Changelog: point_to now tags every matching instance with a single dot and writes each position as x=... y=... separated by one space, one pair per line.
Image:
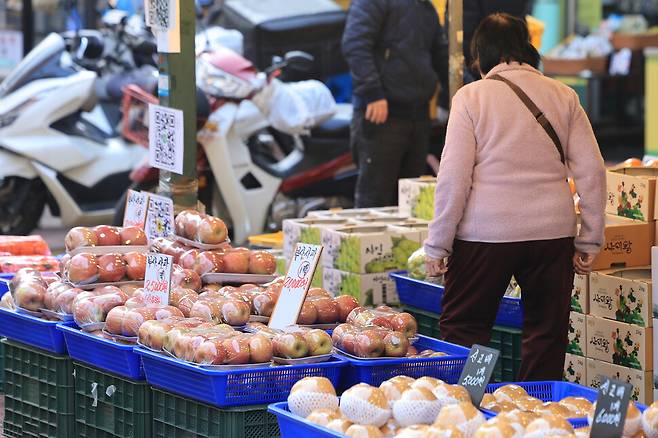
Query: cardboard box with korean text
x=580 y=294
x=627 y=244
x=642 y=380
x=416 y=197
x=631 y=192
x=575 y=370
x=368 y=289
x=577 y=334
x=619 y=343
x=307 y=231
x=624 y=295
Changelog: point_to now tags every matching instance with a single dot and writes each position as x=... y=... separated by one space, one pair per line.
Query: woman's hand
x=582 y=262
x=435 y=267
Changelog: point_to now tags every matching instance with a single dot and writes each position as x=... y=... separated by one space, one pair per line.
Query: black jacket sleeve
x=362 y=29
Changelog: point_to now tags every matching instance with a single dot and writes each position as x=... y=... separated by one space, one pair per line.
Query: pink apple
x=211 y=230
x=133 y=236
x=262 y=262
x=82 y=268
x=135 y=265
x=107 y=236
x=188 y=258
x=111 y=268
x=78 y=237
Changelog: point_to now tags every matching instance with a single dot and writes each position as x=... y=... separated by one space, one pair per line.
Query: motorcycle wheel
x=21 y=205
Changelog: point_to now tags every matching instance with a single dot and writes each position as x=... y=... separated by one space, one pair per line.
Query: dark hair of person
x=502 y=38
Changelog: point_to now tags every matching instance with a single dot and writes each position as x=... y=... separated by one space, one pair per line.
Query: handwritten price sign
x=159 y=217
x=157 y=280
x=611 y=408
x=295 y=286
x=136 y=208
x=477 y=371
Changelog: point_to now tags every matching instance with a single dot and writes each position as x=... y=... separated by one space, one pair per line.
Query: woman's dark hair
x=502 y=38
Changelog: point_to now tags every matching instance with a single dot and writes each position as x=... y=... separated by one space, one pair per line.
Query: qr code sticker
x=166 y=138
x=160 y=14
x=160 y=217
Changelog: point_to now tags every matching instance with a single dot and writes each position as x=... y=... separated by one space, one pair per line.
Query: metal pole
x=180 y=69
x=456 y=45
x=27 y=23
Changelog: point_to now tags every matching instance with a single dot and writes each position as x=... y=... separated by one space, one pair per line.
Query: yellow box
x=575 y=369
x=368 y=289
x=577 y=334
x=624 y=295
x=632 y=192
x=620 y=343
x=580 y=294
x=416 y=197
x=627 y=244
x=642 y=381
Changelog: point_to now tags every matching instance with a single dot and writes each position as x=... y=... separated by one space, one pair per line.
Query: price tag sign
x=295 y=286
x=159 y=217
x=136 y=206
x=611 y=406
x=477 y=372
x=157 y=279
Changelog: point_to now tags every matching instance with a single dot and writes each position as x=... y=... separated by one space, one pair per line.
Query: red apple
x=64 y=301
x=328 y=311
x=262 y=262
x=52 y=292
x=290 y=346
x=178 y=293
x=171 y=338
x=411 y=351
x=214 y=287
x=250 y=288
x=135 y=302
x=263 y=304
x=185 y=278
x=133 y=236
x=109 y=301
x=30 y=295
x=210 y=352
x=168 y=313
x=82 y=268
x=111 y=268
x=135 y=265
x=308 y=315
x=107 y=236
x=152 y=333
x=129 y=289
x=235 y=313
x=237 y=351
x=275 y=289
x=188 y=258
x=260 y=349
x=207 y=310
x=187 y=222
x=186 y=303
x=86 y=311
x=405 y=323
x=396 y=344
x=235 y=262
x=369 y=343
x=115 y=320
x=319 y=342
x=227 y=290
x=207 y=262
x=317 y=292
x=212 y=231
x=346 y=303
x=78 y=237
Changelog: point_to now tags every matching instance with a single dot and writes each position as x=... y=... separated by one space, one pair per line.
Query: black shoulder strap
x=536 y=112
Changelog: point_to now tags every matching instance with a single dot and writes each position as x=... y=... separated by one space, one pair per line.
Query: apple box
x=577 y=334
x=370 y=249
x=620 y=343
x=306 y=231
x=627 y=244
x=368 y=289
x=623 y=295
x=580 y=294
x=575 y=370
x=416 y=197
x=631 y=192
x=642 y=380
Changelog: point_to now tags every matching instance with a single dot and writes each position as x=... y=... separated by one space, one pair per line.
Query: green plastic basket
x=110 y=406
x=2 y=367
x=179 y=417
x=428 y=322
x=38 y=393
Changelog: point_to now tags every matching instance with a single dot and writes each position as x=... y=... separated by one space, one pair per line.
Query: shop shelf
x=240 y=387
x=39 y=391
x=175 y=416
x=108 y=406
x=103 y=353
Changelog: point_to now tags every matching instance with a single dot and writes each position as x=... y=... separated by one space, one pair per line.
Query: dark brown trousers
x=477 y=277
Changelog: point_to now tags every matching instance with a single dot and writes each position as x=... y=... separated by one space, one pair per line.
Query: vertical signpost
x=456 y=45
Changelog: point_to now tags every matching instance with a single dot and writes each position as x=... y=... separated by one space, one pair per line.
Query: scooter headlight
x=218 y=83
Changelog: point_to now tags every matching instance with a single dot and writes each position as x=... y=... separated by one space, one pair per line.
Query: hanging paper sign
x=157 y=279
x=166 y=148
x=159 y=217
x=163 y=17
x=136 y=207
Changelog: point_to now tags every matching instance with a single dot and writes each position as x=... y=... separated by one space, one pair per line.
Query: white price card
x=136 y=206
x=157 y=279
x=166 y=138
x=305 y=259
x=159 y=217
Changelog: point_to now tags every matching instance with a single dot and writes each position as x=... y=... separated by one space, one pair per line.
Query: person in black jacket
x=396 y=50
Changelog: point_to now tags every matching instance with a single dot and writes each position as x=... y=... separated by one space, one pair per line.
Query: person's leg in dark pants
x=414 y=160
x=546 y=280
x=477 y=278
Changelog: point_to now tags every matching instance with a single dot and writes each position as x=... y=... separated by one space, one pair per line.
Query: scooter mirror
x=299 y=60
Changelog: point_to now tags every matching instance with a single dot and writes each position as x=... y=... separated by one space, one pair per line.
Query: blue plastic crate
x=31 y=330
x=105 y=354
x=427 y=296
x=250 y=386
x=375 y=371
x=556 y=391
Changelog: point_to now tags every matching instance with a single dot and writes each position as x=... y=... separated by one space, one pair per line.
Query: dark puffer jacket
x=396 y=49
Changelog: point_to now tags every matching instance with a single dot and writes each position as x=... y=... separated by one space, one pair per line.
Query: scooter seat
x=337 y=127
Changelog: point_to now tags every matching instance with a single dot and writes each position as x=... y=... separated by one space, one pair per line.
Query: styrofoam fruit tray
x=92 y=286
x=219 y=277
x=92 y=327
x=110 y=249
x=61 y=316
x=29 y=312
x=259 y=318
x=344 y=353
x=125 y=339
x=330 y=326
x=199 y=245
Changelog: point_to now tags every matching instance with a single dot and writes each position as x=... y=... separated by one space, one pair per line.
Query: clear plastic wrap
x=93 y=309
x=125 y=321
x=104 y=235
x=220 y=309
x=28 y=289
x=7 y=301
x=87 y=268
x=370 y=342
x=386 y=317
x=201 y=228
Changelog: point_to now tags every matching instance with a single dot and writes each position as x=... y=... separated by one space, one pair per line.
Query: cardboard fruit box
x=631 y=192
x=370 y=249
x=575 y=369
x=577 y=334
x=642 y=381
x=416 y=197
x=580 y=294
x=307 y=231
x=368 y=289
x=619 y=343
x=627 y=244
x=624 y=295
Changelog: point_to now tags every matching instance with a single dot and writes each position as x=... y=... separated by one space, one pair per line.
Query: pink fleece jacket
x=501 y=178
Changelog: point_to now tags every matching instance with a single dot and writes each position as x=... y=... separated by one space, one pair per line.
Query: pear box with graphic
x=619 y=343
x=364 y=249
x=575 y=369
x=388 y=220
x=627 y=244
x=368 y=289
x=623 y=295
x=577 y=334
x=632 y=192
x=580 y=294
x=641 y=380
x=307 y=231
x=416 y=197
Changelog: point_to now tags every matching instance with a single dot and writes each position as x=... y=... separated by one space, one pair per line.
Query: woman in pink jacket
x=503 y=204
